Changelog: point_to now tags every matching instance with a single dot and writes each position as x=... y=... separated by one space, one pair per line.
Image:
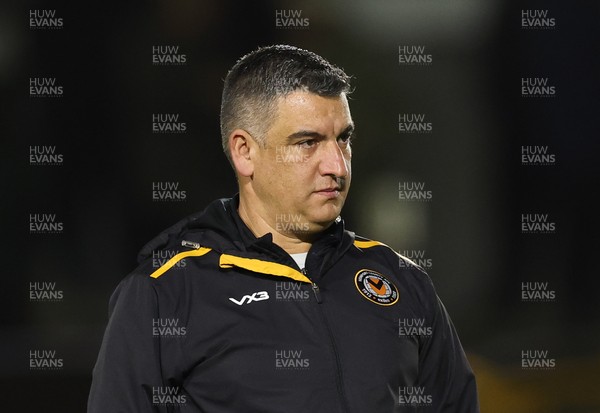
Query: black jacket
x=216 y=320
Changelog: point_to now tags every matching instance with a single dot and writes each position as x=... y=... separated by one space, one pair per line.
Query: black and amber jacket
x=215 y=320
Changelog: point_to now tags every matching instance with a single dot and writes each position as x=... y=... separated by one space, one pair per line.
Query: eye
x=308 y=143
x=345 y=139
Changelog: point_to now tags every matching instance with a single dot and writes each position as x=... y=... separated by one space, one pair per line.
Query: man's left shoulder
x=402 y=266
x=372 y=247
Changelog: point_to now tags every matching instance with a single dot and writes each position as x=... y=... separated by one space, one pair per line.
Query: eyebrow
x=312 y=134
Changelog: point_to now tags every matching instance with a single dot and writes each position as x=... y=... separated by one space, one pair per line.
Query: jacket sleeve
x=128 y=371
x=444 y=372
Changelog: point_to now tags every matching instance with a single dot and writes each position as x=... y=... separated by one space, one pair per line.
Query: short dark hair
x=254 y=83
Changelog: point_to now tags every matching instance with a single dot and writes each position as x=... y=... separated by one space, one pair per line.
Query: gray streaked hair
x=254 y=83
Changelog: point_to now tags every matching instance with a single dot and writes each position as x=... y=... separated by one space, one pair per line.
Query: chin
x=323 y=222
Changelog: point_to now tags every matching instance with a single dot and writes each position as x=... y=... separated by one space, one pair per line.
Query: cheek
x=278 y=180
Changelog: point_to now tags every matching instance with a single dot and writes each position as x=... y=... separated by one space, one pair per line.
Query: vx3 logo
x=247 y=299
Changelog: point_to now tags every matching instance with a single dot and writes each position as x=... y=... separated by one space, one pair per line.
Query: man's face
x=303 y=175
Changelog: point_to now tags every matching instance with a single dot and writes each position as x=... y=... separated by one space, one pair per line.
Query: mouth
x=330 y=192
x=333 y=190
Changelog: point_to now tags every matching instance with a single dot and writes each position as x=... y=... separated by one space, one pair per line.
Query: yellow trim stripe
x=263 y=267
x=176 y=258
x=368 y=244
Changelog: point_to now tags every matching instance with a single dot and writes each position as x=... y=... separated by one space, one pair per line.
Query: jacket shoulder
x=365 y=244
x=411 y=277
x=174 y=255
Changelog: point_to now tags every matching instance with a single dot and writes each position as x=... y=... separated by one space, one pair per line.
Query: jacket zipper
x=338 y=364
x=190 y=244
x=317 y=293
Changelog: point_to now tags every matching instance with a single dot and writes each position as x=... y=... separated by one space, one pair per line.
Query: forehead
x=309 y=111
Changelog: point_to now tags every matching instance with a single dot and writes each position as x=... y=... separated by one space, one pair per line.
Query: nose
x=333 y=162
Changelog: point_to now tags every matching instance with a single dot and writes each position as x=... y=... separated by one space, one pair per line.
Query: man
x=267 y=303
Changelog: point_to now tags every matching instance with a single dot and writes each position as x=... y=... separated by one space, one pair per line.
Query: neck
x=259 y=226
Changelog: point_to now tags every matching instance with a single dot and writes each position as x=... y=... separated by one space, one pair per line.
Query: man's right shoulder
x=165 y=262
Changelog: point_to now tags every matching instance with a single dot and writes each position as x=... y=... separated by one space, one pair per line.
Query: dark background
x=471 y=163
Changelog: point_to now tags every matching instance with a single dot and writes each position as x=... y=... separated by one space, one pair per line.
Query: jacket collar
x=325 y=251
x=221 y=228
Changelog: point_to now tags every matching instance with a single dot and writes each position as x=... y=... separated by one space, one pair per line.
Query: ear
x=241 y=147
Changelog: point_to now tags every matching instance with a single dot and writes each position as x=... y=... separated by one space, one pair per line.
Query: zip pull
x=190 y=244
x=317 y=292
x=314 y=286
